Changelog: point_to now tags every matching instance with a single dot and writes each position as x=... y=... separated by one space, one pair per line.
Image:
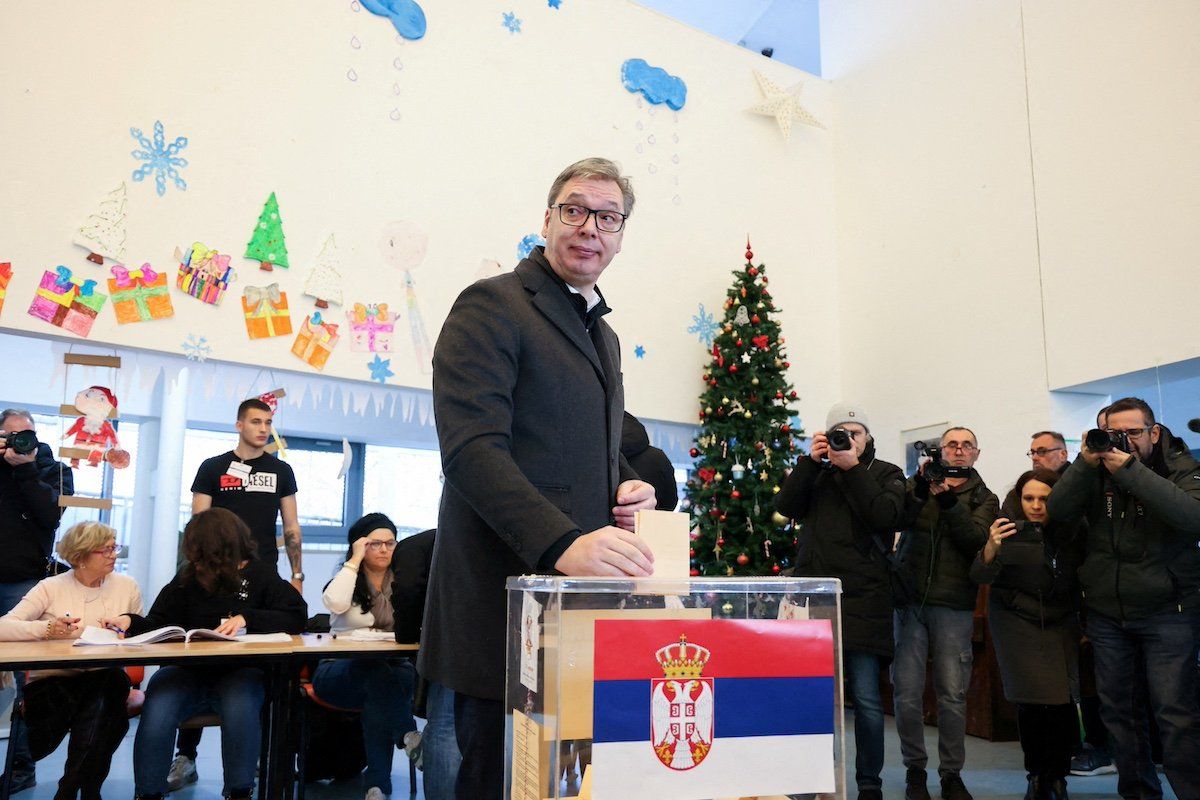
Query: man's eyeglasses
x=1042 y=452
x=966 y=447
x=376 y=545
x=111 y=550
x=576 y=216
x=1132 y=433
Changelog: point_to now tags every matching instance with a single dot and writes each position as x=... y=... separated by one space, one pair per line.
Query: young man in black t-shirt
x=259 y=488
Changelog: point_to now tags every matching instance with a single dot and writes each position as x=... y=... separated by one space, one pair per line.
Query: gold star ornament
x=782 y=104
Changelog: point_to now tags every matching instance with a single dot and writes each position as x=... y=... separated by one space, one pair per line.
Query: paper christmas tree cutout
x=325 y=280
x=103 y=233
x=267 y=244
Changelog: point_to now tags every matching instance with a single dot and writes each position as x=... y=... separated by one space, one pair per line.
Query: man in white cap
x=848 y=504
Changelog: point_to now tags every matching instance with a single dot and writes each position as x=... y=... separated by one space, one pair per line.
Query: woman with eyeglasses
x=223 y=586
x=360 y=596
x=88 y=704
x=1030 y=564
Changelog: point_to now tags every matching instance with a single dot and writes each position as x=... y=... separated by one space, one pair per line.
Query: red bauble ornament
x=701 y=415
x=714 y=513
x=705 y=377
x=755 y=319
x=794 y=395
x=775 y=569
x=693 y=452
x=787 y=364
x=779 y=394
x=722 y=518
x=721 y=541
x=743 y=559
x=735 y=494
x=694 y=572
x=759 y=445
x=692 y=552
x=753 y=271
x=739 y=342
x=733 y=367
x=784 y=428
x=749 y=254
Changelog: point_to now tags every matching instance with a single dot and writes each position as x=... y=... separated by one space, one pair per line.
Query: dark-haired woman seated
x=1032 y=615
x=223 y=587
x=360 y=596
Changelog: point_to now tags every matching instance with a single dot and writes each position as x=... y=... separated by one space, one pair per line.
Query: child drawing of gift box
x=5 y=277
x=266 y=311
x=204 y=274
x=66 y=302
x=315 y=341
x=140 y=295
x=371 y=328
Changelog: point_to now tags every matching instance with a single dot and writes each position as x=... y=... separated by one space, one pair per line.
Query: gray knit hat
x=846 y=412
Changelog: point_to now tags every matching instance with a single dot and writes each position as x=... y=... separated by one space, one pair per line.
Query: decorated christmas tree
x=325 y=279
x=103 y=233
x=267 y=244
x=746 y=441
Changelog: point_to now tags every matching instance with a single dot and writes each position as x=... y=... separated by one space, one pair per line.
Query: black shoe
x=1034 y=792
x=1055 y=789
x=953 y=788
x=22 y=781
x=1092 y=761
x=915 y=785
x=870 y=794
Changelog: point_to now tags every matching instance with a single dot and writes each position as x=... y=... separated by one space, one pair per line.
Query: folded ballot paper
x=368 y=635
x=102 y=637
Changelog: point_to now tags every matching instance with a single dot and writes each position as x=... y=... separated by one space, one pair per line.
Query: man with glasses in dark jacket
x=848 y=504
x=1141 y=583
x=946 y=523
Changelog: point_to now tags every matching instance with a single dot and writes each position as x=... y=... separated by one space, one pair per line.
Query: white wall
x=487 y=118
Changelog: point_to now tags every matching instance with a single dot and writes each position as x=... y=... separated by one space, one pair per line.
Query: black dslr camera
x=20 y=442
x=935 y=470
x=1099 y=440
x=1026 y=547
x=839 y=439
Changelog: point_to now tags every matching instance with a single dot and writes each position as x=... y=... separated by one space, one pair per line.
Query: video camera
x=935 y=470
x=20 y=442
x=1099 y=440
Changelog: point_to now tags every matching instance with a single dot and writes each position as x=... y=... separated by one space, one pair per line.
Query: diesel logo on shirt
x=260 y=482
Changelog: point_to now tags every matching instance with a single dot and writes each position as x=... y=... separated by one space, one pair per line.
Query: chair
x=309 y=695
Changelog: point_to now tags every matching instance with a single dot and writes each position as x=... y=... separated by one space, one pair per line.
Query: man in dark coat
x=30 y=485
x=650 y=463
x=1141 y=583
x=848 y=504
x=528 y=402
x=946 y=522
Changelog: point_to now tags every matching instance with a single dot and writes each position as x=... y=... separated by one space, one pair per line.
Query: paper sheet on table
x=368 y=635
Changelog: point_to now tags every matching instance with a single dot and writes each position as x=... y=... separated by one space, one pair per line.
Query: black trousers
x=1049 y=736
x=479 y=728
x=90 y=707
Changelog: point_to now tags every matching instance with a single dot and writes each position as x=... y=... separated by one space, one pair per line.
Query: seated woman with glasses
x=1032 y=608
x=360 y=596
x=89 y=704
x=224 y=587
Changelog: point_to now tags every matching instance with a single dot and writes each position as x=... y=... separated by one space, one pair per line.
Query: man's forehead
x=17 y=423
x=1133 y=418
x=957 y=436
x=1045 y=438
x=596 y=191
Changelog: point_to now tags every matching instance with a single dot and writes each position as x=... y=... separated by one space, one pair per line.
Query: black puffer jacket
x=29 y=514
x=847 y=520
x=942 y=535
x=1143 y=527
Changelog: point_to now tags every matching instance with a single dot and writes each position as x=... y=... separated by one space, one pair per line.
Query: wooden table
x=282 y=660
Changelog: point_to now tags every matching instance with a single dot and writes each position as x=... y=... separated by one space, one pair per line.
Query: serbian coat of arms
x=681 y=706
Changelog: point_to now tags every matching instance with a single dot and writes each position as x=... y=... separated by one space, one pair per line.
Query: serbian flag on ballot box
x=695 y=709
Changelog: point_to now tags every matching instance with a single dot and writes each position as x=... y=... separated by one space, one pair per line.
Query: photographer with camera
x=1139 y=489
x=948 y=512
x=1032 y=607
x=848 y=503
x=30 y=479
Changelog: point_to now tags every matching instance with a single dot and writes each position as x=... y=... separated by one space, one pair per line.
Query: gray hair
x=15 y=412
x=594 y=168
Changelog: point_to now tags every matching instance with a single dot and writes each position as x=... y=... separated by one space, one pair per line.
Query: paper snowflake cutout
x=196 y=348
x=160 y=158
x=555 y=4
x=511 y=22
x=704 y=326
x=380 y=369
x=639 y=351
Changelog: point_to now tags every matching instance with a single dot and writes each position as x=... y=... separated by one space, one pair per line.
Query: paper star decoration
x=745 y=358
x=639 y=351
x=380 y=369
x=782 y=104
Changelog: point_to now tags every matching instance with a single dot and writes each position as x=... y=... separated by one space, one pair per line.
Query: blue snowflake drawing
x=160 y=158
x=639 y=351
x=704 y=326
x=527 y=243
x=380 y=369
x=554 y=3
x=511 y=22
x=196 y=347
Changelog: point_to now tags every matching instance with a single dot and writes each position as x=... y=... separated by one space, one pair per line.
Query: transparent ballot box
x=692 y=689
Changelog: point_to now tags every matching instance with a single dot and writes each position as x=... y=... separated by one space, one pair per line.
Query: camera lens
x=1098 y=440
x=839 y=439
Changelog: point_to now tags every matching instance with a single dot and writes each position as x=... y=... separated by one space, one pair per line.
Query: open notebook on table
x=93 y=635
